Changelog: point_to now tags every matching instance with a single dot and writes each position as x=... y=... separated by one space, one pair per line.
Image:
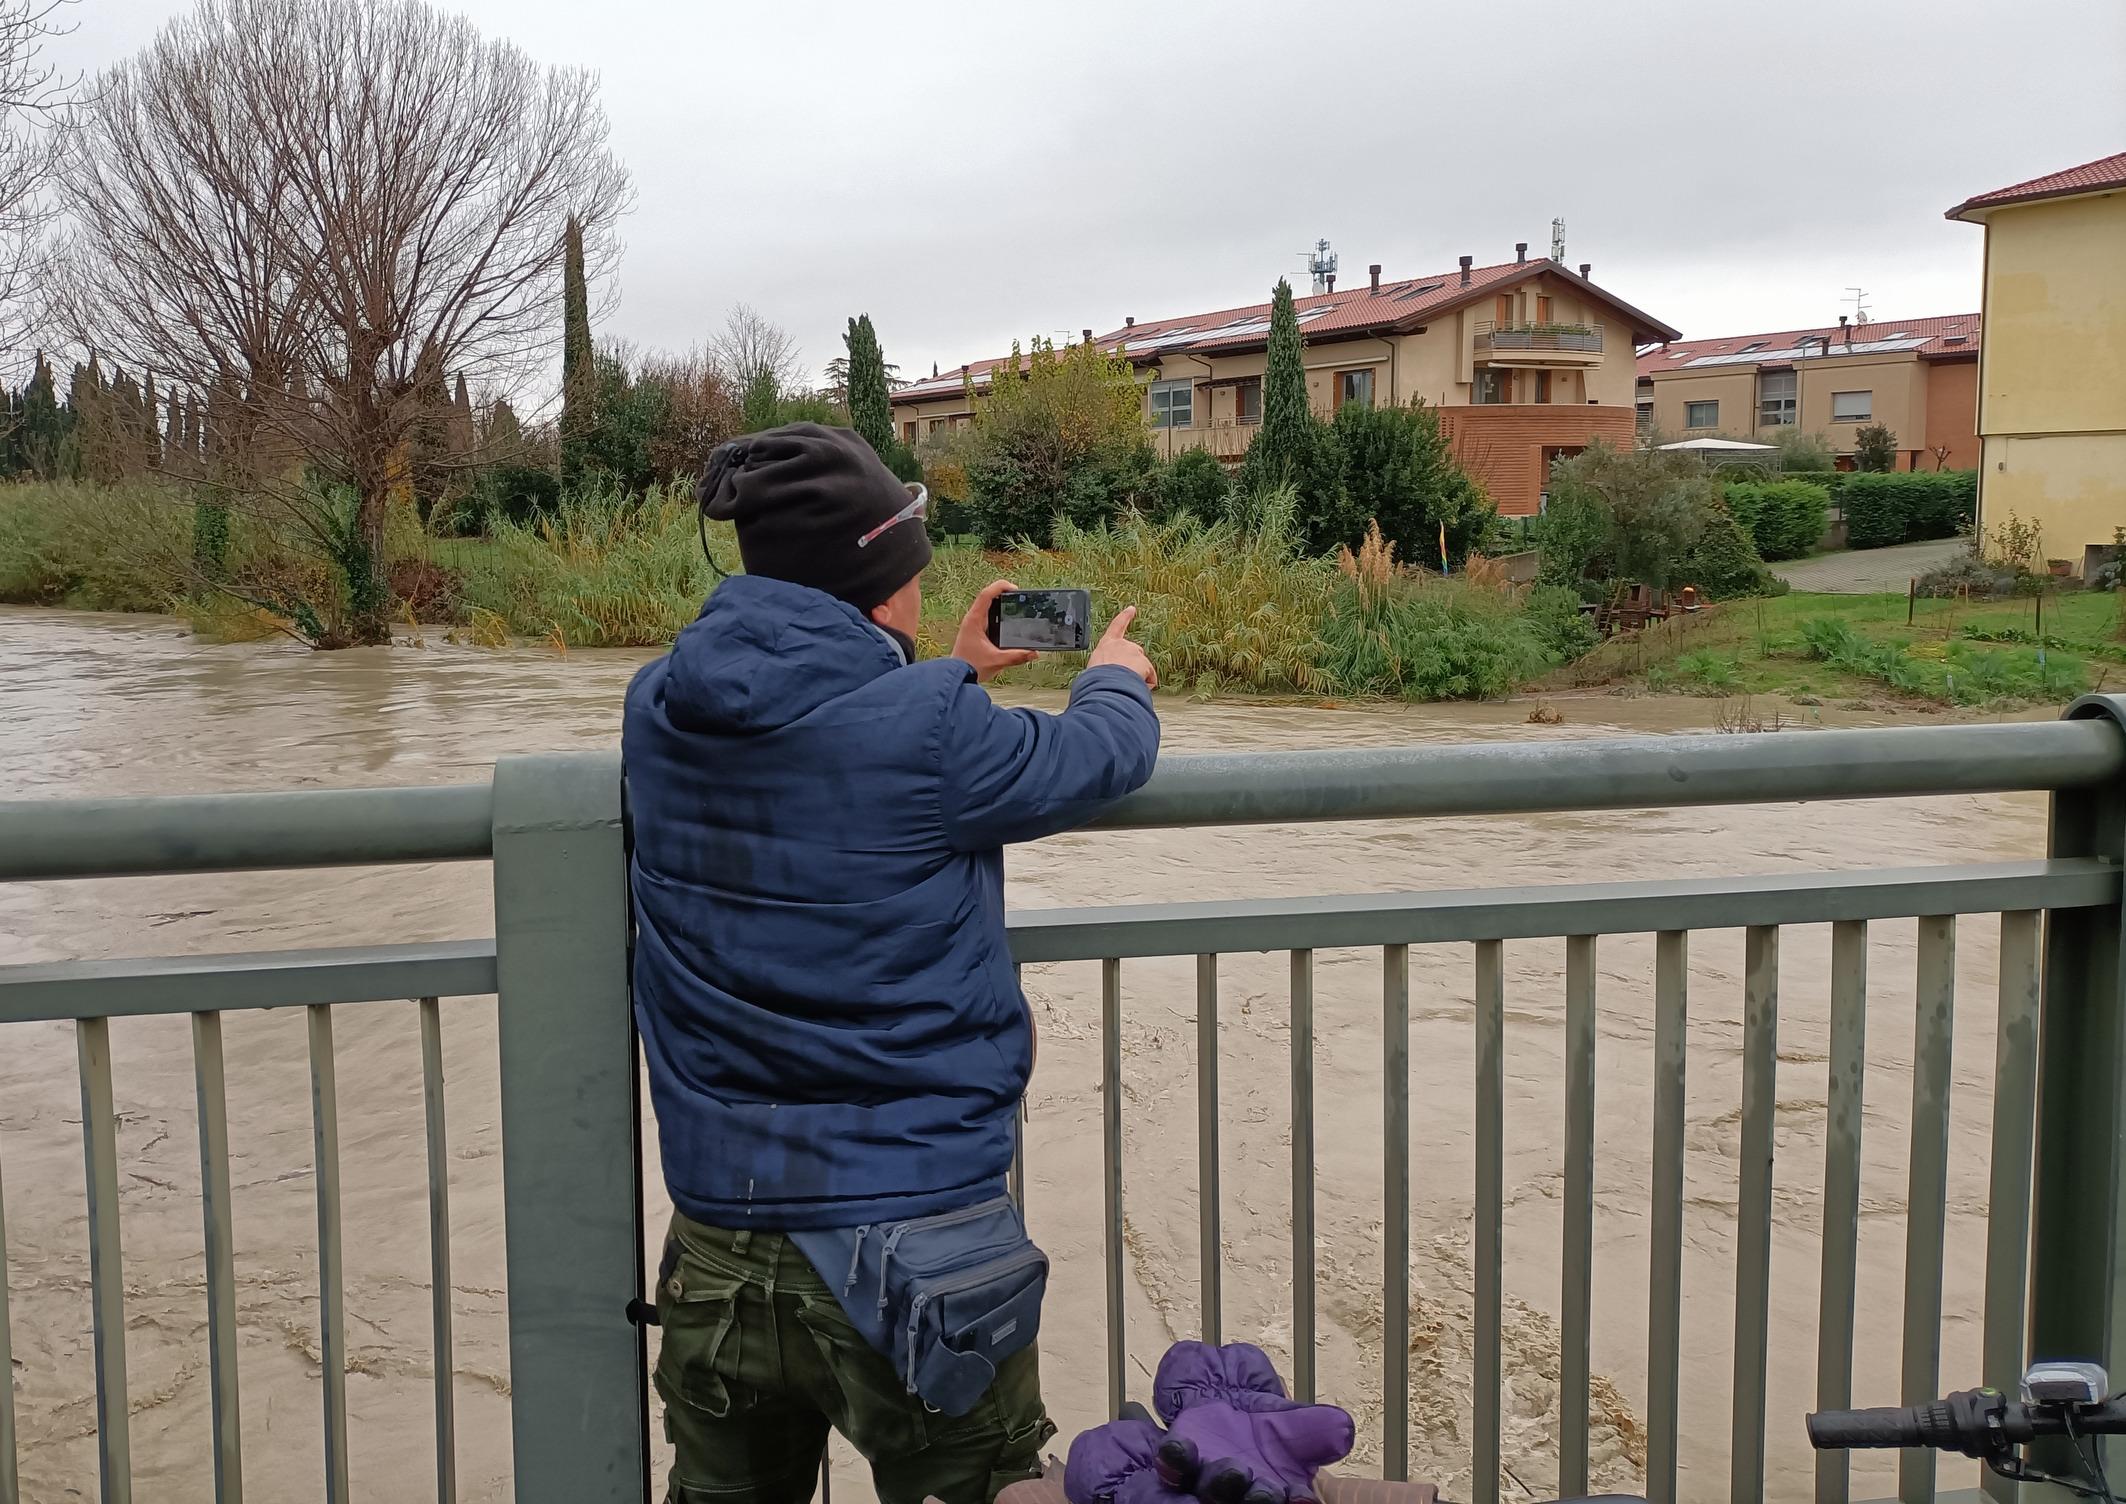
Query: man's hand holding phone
x=973 y=646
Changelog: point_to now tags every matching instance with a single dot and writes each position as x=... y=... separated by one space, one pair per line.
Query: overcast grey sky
x=968 y=171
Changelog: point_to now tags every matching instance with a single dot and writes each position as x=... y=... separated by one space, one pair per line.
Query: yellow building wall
x=2053 y=357
x=2073 y=486
x=1898 y=388
x=1735 y=389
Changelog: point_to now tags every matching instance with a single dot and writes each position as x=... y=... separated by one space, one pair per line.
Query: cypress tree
x=505 y=435
x=43 y=422
x=1293 y=447
x=579 y=378
x=150 y=431
x=462 y=441
x=870 y=407
x=173 y=436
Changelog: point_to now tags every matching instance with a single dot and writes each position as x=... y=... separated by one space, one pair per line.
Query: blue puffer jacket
x=834 y=1029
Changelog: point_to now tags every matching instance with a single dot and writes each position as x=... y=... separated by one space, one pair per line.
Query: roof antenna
x=1321 y=261
x=1859 y=299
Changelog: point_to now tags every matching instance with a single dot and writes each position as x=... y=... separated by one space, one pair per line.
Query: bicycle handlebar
x=1976 y=1422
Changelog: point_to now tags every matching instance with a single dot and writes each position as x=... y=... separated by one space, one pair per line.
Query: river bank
x=131 y=705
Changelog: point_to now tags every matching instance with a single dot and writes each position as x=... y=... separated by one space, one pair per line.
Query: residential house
x=1917 y=377
x=1525 y=360
x=2052 y=368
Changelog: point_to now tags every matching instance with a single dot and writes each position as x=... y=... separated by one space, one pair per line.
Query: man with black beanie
x=836 y=1038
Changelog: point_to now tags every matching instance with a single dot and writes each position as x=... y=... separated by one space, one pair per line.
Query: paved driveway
x=1870 y=571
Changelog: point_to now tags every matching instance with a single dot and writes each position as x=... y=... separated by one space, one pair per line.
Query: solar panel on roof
x=1418 y=292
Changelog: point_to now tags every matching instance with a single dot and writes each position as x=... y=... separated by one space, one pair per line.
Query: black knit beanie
x=815 y=506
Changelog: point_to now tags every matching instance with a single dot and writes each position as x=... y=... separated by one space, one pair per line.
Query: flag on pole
x=1443 y=548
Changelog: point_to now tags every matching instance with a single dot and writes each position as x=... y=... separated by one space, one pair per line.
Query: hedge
x=1784 y=518
x=1907 y=506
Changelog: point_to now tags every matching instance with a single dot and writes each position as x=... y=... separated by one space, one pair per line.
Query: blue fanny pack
x=944 y=1298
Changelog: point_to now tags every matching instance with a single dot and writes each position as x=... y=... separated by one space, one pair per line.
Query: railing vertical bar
x=1018 y=1137
x=1841 y=1193
x=1576 y=1295
x=1395 y=1228
x=1207 y=1144
x=439 y=1279
x=99 y=1143
x=1485 y=1450
x=331 y=1272
x=1664 y=1280
x=217 y=1212
x=1303 y=1175
x=2014 y=1122
x=10 y=1487
x=1111 y=1166
x=1927 y=1196
x=1753 y=1232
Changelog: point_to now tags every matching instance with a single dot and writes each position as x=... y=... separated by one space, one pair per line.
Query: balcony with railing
x=1538 y=344
x=572 y=1234
x=1227 y=440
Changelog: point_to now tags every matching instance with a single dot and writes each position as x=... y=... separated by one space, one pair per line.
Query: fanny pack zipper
x=893 y=1238
x=856 y=1258
x=980 y=1274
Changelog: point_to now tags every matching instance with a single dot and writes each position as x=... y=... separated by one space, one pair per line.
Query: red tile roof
x=1956 y=334
x=2101 y=176
x=1347 y=312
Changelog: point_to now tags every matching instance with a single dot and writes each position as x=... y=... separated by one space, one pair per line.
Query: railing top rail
x=69 y=838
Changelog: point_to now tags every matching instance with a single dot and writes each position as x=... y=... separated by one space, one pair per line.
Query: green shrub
x=1907 y=506
x=1975 y=578
x=1399 y=472
x=123 y=548
x=1784 y=518
x=1192 y=484
x=1565 y=631
x=598 y=573
x=1437 y=641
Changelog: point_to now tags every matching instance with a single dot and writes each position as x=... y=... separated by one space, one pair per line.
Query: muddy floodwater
x=105 y=705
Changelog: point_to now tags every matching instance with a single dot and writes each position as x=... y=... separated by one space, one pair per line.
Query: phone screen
x=1048 y=621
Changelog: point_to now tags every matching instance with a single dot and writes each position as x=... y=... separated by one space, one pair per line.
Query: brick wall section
x=1952 y=412
x=1503 y=445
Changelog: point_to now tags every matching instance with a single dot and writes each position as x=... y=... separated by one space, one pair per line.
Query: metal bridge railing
x=572 y=1165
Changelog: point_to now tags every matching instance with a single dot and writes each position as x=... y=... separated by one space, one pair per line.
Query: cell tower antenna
x=1557 y=241
x=1321 y=262
x=1859 y=299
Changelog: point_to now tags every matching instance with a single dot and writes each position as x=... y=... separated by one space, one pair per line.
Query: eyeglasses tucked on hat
x=917 y=509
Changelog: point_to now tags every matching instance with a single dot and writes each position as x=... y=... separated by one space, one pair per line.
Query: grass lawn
x=1841 y=648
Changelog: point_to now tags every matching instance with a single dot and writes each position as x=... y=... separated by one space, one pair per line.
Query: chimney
x=1846 y=328
x=1373 y=271
x=1586 y=270
x=1520 y=250
x=1332 y=281
x=1088 y=336
x=1130 y=322
x=933 y=370
x=1465 y=269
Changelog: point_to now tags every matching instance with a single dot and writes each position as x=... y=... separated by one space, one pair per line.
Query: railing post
x=571 y=1163
x=2078 y=1224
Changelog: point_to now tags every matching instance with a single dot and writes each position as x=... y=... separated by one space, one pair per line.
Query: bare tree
x=752 y=348
x=701 y=410
x=321 y=212
x=34 y=102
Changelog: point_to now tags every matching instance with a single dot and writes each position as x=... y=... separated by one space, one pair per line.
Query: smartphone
x=1048 y=621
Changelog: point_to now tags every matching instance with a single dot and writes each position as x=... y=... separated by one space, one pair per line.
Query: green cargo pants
x=758 y=1360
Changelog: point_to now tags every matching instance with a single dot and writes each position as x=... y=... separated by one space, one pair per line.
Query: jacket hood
x=764 y=653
